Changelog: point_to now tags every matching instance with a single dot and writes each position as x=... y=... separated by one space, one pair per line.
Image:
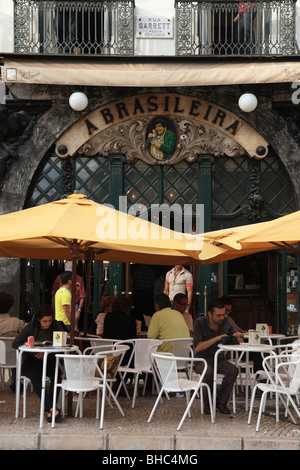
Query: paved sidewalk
x=132 y=432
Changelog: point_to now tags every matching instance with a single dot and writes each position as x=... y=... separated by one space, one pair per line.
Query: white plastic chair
x=219 y=377
x=180 y=348
x=139 y=362
x=277 y=385
x=110 y=350
x=281 y=350
x=243 y=368
x=79 y=378
x=25 y=381
x=7 y=358
x=167 y=366
x=93 y=340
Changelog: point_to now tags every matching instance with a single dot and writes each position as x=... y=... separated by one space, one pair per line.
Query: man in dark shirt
x=208 y=333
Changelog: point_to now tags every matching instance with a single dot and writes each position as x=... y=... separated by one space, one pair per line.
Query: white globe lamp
x=78 y=101
x=248 y=102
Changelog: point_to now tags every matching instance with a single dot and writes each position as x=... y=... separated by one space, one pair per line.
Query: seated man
x=208 y=332
x=9 y=326
x=228 y=310
x=166 y=323
x=180 y=302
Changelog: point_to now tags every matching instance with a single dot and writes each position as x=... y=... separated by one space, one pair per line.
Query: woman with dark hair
x=41 y=328
x=119 y=324
x=106 y=306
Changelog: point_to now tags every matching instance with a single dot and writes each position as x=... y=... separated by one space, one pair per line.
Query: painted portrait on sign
x=161 y=138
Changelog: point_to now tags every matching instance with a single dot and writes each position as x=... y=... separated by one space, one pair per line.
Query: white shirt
x=178 y=284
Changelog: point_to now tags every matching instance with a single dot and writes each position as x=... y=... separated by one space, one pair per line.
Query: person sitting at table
x=106 y=306
x=9 y=327
x=180 y=302
x=208 y=333
x=228 y=310
x=41 y=328
x=119 y=324
x=166 y=323
x=255 y=357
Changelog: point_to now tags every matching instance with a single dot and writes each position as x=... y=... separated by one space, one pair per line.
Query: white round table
x=240 y=348
x=274 y=336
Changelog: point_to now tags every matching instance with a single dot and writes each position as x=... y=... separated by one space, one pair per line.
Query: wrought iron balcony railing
x=77 y=27
x=203 y=28
x=220 y=28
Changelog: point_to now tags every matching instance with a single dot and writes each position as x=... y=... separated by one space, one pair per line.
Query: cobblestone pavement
x=133 y=432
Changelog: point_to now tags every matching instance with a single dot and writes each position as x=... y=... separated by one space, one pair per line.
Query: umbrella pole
x=88 y=301
x=73 y=299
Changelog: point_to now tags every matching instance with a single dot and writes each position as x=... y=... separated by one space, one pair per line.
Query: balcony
x=68 y=27
x=201 y=29
x=217 y=28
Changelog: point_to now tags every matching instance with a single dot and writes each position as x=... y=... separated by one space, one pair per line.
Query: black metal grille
x=232 y=184
x=68 y=27
x=224 y=27
x=60 y=177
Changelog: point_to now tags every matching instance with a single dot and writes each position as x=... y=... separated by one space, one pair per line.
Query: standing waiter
x=179 y=280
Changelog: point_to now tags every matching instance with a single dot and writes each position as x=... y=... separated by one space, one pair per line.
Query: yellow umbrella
x=55 y=230
x=78 y=228
x=213 y=249
x=283 y=232
x=216 y=250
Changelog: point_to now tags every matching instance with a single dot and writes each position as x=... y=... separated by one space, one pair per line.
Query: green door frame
x=117 y=162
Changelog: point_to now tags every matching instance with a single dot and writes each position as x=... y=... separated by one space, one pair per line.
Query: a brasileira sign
x=169 y=105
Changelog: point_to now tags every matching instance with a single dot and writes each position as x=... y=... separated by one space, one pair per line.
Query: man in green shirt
x=166 y=323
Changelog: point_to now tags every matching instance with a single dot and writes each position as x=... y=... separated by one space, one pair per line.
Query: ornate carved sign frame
x=161 y=128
